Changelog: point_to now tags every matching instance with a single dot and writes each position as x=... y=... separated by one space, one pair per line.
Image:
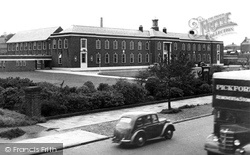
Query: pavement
x=67 y=131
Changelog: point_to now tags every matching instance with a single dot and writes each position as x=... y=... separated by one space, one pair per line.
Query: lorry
x=231 y=112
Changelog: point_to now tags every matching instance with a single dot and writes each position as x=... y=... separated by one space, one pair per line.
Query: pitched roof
x=129 y=32
x=105 y=31
x=34 y=35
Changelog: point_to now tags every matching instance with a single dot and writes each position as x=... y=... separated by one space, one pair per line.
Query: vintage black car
x=138 y=127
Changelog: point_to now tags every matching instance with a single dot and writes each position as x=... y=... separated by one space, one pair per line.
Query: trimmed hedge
x=57 y=100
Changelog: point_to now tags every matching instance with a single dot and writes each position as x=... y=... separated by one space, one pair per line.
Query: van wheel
x=168 y=134
x=140 y=140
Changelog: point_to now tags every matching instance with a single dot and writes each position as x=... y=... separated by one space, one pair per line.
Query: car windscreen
x=124 y=122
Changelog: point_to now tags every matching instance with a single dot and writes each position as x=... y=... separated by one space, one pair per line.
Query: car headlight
x=213 y=138
x=237 y=142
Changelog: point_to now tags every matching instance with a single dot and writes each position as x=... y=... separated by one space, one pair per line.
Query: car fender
x=167 y=125
x=137 y=132
x=245 y=149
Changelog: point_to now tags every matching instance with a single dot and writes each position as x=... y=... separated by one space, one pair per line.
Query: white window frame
x=139 y=45
x=44 y=45
x=39 y=45
x=139 y=58
x=107 y=58
x=98 y=44
x=98 y=57
x=175 y=46
x=123 y=44
x=199 y=47
x=17 y=47
x=132 y=45
x=188 y=47
x=159 y=45
x=65 y=43
x=203 y=47
x=147 y=45
x=60 y=55
x=115 y=58
x=123 y=56
x=115 y=44
x=132 y=57
x=59 y=44
x=194 y=47
x=82 y=48
x=54 y=44
x=147 y=58
x=106 y=44
x=183 y=47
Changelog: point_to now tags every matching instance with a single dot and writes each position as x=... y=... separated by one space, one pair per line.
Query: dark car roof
x=137 y=114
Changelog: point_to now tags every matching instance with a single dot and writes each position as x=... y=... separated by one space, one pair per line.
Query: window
x=34 y=46
x=24 y=63
x=154 y=118
x=13 y=47
x=21 y=46
x=123 y=45
x=131 y=58
x=147 y=45
x=159 y=46
x=29 y=46
x=115 y=45
x=106 y=44
x=59 y=44
x=139 y=45
x=131 y=45
x=208 y=58
x=123 y=58
x=17 y=63
x=194 y=47
x=84 y=44
x=65 y=43
x=218 y=47
x=44 y=45
x=106 y=58
x=194 y=57
x=139 y=58
x=188 y=47
x=204 y=57
x=59 y=57
x=25 y=46
x=147 y=119
x=98 y=44
x=199 y=57
x=204 y=47
x=183 y=47
x=115 y=58
x=98 y=58
x=208 y=48
x=147 y=58
x=39 y=45
x=175 y=46
x=199 y=47
x=189 y=57
x=17 y=48
x=83 y=57
x=9 y=47
x=54 y=44
x=159 y=57
x=139 y=122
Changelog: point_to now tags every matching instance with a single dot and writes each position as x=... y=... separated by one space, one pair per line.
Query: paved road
x=189 y=138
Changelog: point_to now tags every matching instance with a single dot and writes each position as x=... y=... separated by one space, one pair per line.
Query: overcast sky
x=20 y=15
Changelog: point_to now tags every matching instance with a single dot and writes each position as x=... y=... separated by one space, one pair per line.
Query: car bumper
x=115 y=140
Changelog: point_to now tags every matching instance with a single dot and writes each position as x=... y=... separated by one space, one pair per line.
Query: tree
x=178 y=71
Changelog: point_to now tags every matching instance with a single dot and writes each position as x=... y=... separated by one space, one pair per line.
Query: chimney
x=155 y=25
x=141 y=28
x=164 y=30
x=101 y=24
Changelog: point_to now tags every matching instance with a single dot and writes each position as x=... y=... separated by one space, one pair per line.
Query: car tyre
x=140 y=140
x=168 y=134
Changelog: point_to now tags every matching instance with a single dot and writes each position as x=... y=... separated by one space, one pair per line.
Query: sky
x=21 y=15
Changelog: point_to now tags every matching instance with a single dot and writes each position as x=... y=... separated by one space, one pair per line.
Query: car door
x=158 y=127
x=151 y=127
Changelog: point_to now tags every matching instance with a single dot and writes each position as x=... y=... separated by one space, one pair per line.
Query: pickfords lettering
x=233 y=88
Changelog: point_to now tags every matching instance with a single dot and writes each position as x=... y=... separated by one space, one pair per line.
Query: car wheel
x=168 y=134
x=140 y=140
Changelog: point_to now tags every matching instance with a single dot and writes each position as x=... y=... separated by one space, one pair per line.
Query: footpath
x=66 y=132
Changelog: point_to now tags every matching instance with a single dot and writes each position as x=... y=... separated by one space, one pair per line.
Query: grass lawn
x=121 y=73
x=71 y=80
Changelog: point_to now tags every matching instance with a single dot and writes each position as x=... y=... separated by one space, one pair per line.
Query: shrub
x=83 y=90
x=16 y=82
x=104 y=99
x=162 y=92
x=52 y=107
x=132 y=92
x=13 y=133
x=90 y=85
x=12 y=97
x=151 y=85
x=104 y=87
x=205 y=88
x=78 y=102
